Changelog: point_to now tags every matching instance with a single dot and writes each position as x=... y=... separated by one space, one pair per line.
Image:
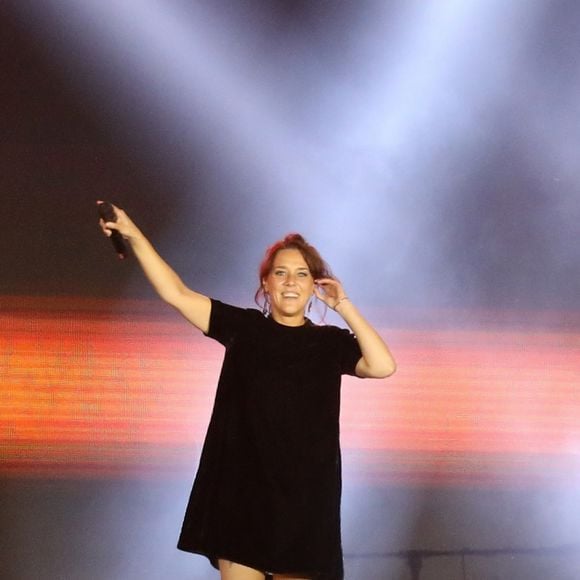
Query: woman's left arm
x=377 y=362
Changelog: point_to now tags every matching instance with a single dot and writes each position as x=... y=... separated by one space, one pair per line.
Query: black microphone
x=107 y=214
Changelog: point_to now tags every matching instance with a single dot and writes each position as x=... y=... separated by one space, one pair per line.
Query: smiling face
x=289 y=286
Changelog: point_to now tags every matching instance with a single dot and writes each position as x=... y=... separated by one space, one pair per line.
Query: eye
x=279 y=273
x=303 y=274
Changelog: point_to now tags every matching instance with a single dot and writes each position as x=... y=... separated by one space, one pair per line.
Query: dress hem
x=262 y=569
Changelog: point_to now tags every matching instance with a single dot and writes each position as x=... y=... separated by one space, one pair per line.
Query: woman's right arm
x=193 y=306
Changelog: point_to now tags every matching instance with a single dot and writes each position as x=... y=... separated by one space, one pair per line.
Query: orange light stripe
x=95 y=387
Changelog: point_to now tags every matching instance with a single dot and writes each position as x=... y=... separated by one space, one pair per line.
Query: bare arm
x=193 y=306
x=377 y=361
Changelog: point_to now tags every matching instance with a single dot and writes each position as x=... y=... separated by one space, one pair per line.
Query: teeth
x=290 y=295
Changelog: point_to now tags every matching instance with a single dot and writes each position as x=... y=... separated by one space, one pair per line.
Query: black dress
x=267 y=491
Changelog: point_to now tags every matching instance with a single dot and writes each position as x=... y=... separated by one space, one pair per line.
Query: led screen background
x=97 y=388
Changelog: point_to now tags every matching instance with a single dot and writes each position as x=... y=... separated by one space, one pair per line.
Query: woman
x=266 y=498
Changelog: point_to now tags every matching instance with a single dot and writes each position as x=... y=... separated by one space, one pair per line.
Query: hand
x=124 y=225
x=330 y=291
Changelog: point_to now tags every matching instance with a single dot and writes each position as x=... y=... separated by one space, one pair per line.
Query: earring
x=266 y=306
x=309 y=306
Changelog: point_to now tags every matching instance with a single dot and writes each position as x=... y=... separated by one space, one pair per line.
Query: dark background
x=480 y=214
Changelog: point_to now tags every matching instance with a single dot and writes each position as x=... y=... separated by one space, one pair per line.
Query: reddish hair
x=317 y=266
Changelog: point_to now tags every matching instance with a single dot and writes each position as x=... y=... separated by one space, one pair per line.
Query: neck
x=292 y=320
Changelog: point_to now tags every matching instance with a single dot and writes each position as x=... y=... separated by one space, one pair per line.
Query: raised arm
x=193 y=306
x=377 y=362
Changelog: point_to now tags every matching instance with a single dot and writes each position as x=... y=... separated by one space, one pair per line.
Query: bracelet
x=339 y=301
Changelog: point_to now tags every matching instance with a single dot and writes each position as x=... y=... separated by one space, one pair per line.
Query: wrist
x=135 y=237
x=340 y=301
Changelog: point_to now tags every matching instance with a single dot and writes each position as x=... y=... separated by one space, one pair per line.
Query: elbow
x=378 y=370
x=384 y=368
x=387 y=370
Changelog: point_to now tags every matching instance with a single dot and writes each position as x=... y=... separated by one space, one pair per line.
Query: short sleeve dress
x=267 y=490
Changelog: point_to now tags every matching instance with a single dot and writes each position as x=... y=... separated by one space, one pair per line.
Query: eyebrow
x=286 y=268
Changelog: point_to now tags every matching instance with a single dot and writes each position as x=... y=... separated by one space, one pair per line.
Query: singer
x=266 y=497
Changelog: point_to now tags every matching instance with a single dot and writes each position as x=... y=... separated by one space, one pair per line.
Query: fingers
x=104 y=227
x=121 y=219
x=108 y=227
x=328 y=285
x=118 y=211
x=319 y=294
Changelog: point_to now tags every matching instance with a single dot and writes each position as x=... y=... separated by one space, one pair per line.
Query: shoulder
x=223 y=308
x=224 y=311
x=331 y=330
x=227 y=320
x=334 y=335
x=343 y=345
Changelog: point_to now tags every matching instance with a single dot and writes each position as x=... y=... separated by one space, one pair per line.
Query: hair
x=317 y=266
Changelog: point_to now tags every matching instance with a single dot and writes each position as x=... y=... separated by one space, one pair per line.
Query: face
x=289 y=286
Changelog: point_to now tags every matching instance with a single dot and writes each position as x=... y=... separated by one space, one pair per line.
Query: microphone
x=107 y=214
